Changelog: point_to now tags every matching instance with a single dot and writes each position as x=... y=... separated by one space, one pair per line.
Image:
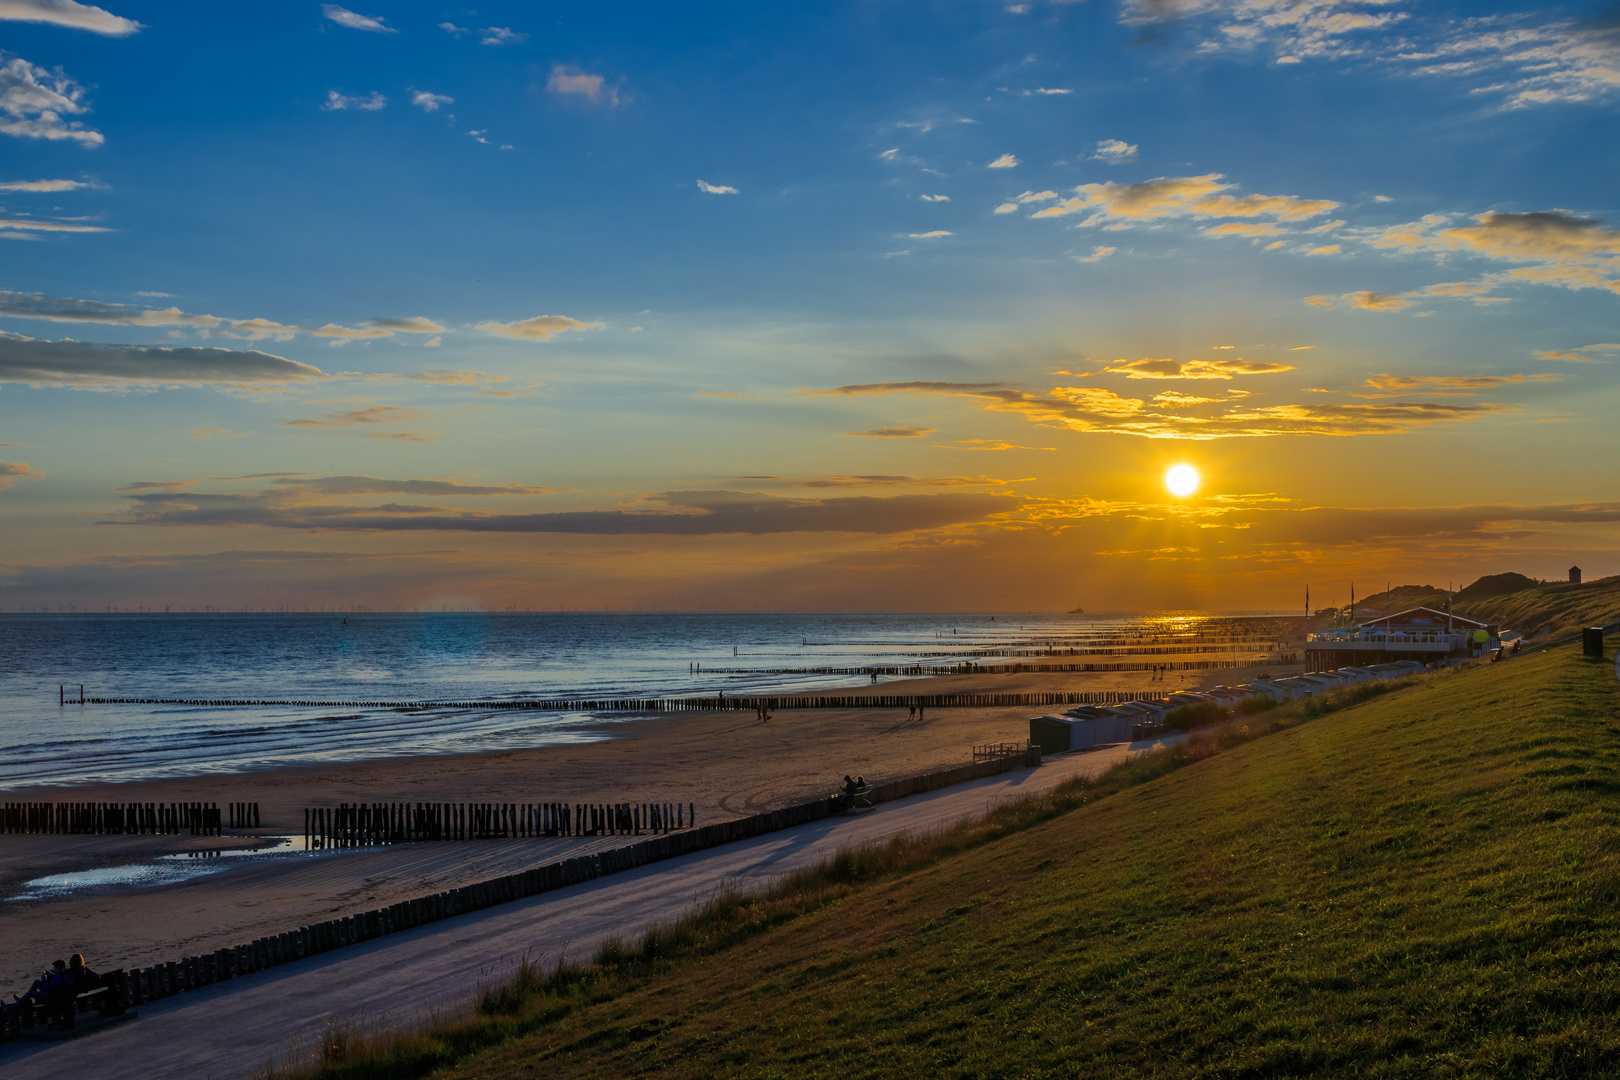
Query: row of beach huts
x=1086 y=726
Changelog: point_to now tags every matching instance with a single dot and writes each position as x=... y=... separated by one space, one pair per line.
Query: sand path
x=393 y=979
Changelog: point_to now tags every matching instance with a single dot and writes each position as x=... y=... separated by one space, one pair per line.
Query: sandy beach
x=726 y=764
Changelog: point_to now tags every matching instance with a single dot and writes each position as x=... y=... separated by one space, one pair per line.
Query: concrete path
x=232 y=1030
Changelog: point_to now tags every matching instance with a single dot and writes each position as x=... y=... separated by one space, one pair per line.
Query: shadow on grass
x=532 y=998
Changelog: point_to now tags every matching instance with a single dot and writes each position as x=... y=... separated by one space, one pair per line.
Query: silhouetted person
x=850 y=786
x=40 y=990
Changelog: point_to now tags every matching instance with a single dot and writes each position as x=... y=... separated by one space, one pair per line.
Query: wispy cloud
x=1087 y=409
x=673 y=513
x=68 y=13
x=45 y=186
x=1562 y=249
x=453 y=30
x=336 y=100
x=501 y=35
x=569 y=80
x=1578 y=355
x=430 y=102
x=208 y=431
x=1005 y=161
x=883 y=481
x=1520 y=59
x=355 y=21
x=894 y=431
x=34 y=100
x=1119 y=206
x=13 y=471
x=538 y=328
x=935 y=198
x=1387 y=385
x=376 y=414
x=81 y=364
x=934 y=235
x=1148 y=368
x=1114 y=152
x=716 y=189
x=15 y=305
x=38 y=225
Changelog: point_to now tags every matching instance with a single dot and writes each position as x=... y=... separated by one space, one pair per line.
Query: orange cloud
x=13 y=471
x=894 y=431
x=1092 y=409
x=1120 y=205
x=1398 y=385
x=1147 y=368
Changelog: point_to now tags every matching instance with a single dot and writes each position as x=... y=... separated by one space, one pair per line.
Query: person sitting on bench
x=851 y=786
x=40 y=991
x=63 y=993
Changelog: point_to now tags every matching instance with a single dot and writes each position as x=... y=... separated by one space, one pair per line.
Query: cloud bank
x=78 y=363
x=68 y=13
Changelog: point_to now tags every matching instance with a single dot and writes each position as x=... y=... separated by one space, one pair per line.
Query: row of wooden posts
x=367 y=824
x=737 y=704
x=104 y=818
x=162 y=980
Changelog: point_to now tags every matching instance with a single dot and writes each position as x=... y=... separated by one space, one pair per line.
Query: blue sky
x=635 y=306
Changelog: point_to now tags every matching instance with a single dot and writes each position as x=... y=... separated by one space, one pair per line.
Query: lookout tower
x=1574 y=575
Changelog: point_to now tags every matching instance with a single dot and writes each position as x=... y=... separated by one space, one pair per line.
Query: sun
x=1181 y=480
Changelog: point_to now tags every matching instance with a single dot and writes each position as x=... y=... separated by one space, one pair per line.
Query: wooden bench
x=34 y=1021
x=860 y=799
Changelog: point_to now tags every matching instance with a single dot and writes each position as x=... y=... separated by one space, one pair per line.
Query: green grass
x=1424 y=884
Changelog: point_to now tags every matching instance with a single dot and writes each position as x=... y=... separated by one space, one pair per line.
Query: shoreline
x=726 y=764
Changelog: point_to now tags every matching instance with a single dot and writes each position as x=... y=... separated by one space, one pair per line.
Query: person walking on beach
x=911 y=713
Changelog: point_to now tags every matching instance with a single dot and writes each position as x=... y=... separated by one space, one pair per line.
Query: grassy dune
x=1551 y=610
x=1427 y=884
x=1562 y=608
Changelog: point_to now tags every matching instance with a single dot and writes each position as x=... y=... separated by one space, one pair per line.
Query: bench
x=39 y=1021
x=859 y=799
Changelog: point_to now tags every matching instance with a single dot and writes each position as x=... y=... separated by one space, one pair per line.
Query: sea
x=463 y=657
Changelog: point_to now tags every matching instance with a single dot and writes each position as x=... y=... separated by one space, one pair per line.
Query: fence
x=367 y=824
x=141 y=985
x=997 y=751
x=103 y=818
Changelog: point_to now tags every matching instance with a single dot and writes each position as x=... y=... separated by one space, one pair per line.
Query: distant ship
x=1077 y=611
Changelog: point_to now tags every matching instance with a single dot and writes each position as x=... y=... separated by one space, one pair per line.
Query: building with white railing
x=1421 y=634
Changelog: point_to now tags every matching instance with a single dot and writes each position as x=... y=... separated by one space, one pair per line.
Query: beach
x=725 y=764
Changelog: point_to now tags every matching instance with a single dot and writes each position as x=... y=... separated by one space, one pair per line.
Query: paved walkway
x=231 y=1030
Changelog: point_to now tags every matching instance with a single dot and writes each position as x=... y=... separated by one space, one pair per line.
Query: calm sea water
x=431 y=657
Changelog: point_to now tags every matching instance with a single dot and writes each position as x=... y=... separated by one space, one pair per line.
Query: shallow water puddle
x=161 y=870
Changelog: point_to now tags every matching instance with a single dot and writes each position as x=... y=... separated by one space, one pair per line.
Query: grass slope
x=1559 y=606
x=1424 y=885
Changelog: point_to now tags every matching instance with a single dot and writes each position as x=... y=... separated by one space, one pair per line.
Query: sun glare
x=1181 y=480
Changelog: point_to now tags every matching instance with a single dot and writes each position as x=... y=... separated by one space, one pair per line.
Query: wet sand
x=727 y=764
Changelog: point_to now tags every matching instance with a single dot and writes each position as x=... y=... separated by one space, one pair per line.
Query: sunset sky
x=864 y=306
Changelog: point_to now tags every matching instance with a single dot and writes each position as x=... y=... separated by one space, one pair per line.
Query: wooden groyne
x=370 y=824
x=128 y=819
x=971 y=668
x=710 y=704
x=162 y=980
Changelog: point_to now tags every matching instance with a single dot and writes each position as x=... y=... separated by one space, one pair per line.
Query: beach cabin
x=1293 y=687
x=1229 y=696
x=1143 y=711
x=1080 y=728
